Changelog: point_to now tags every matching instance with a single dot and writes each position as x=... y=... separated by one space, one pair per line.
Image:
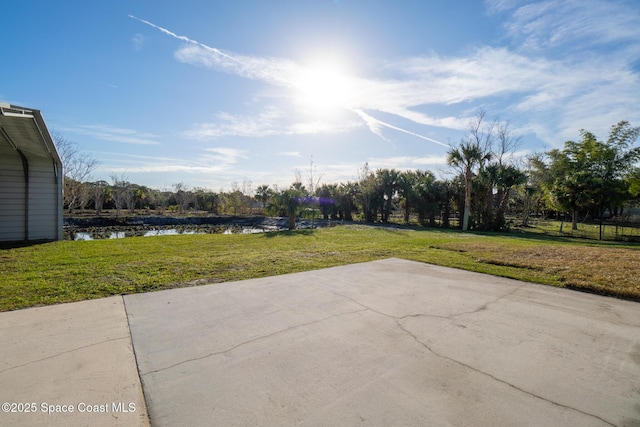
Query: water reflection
x=95 y=236
x=82 y=235
x=169 y=232
x=244 y=230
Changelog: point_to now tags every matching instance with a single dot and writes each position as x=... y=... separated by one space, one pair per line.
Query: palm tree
x=426 y=197
x=407 y=191
x=327 y=196
x=366 y=188
x=346 y=196
x=387 y=180
x=466 y=158
x=287 y=203
x=503 y=178
x=263 y=193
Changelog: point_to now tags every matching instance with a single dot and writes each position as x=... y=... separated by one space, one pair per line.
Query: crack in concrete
x=449 y=317
x=282 y=331
x=366 y=307
x=398 y=320
x=487 y=304
x=496 y=378
x=62 y=353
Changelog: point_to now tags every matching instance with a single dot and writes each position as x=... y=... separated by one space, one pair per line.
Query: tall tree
x=183 y=196
x=292 y=199
x=387 y=186
x=504 y=172
x=120 y=189
x=263 y=194
x=346 y=200
x=633 y=181
x=569 y=186
x=444 y=191
x=327 y=195
x=77 y=167
x=407 y=191
x=591 y=174
x=313 y=177
x=467 y=158
x=425 y=196
x=100 y=192
x=502 y=178
x=366 y=191
x=471 y=155
x=617 y=164
x=235 y=198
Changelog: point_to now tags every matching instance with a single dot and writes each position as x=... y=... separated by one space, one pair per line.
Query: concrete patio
x=390 y=342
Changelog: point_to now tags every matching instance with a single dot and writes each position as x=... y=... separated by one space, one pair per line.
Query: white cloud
x=554 y=94
x=289 y=154
x=577 y=24
x=212 y=160
x=348 y=171
x=128 y=164
x=272 y=70
x=138 y=41
x=285 y=73
x=229 y=125
x=430 y=160
x=487 y=72
x=270 y=121
x=224 y=156
x=496 y=6
x=406 y=162
x=114 y=134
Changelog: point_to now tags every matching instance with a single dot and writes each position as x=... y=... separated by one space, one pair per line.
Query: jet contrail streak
x=185 y=39
x=247 y=71
x=368 y=118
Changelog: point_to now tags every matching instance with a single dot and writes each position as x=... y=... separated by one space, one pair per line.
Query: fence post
x=601 y=228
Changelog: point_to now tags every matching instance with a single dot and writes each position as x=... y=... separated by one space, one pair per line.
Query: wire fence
x=612 y=230
x=625 y=231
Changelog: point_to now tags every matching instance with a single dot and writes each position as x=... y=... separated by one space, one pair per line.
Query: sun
x=323 y=88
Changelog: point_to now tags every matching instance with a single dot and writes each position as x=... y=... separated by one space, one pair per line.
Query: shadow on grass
x=290 y=233
x=620 y=295
x=542 y=237
x=515 y=234
x=23 y=243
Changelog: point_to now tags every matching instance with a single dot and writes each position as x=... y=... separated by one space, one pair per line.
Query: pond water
x=83 y=235
x=94 y=236
x=244 y=231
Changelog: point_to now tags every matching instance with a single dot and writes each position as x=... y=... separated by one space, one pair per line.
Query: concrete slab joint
x=68 y=365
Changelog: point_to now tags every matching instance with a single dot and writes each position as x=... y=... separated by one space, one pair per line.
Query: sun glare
x=323 y=88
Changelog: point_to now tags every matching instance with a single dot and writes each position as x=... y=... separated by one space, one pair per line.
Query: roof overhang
x=24 y=129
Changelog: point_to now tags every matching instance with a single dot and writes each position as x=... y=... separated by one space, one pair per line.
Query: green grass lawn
x=68 y=271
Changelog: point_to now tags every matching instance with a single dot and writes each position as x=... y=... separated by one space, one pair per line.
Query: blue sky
x=214 y=92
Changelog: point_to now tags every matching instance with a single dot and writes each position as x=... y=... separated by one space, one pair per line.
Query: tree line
x=587 y=178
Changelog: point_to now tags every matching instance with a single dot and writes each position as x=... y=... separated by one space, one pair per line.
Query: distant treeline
x=588 y=178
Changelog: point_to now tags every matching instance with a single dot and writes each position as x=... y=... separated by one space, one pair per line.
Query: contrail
x=281 y=76
x=185 y=39
x=370 y=119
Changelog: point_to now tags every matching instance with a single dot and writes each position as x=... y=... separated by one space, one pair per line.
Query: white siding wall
x=12 y=190
x=45 y=199
x=42 y=199
x=39 y=217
